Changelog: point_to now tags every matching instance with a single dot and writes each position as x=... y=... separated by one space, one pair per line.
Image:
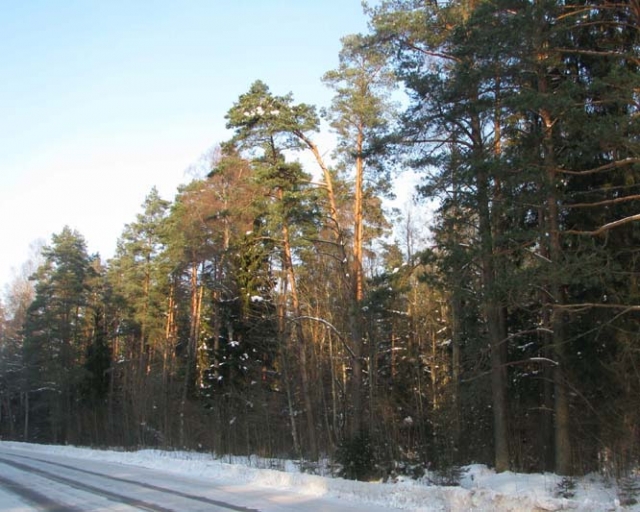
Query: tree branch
x=587 y=305
x=331 y=326
x=603 y=229
x=605 y=203
x=602 y=168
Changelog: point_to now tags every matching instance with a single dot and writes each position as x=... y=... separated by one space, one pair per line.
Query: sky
x=102 y=100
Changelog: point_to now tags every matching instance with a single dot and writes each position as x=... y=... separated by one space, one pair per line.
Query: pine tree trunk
x=355 y=310
x=456 y=337
x=25 y=434
x=562 y=438
x=300 y=339
x=282 y=329
x=492 y=314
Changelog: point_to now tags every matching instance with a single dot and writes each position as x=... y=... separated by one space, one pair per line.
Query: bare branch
x=607 y=167
x=430 y=53
x=588 y=305
x=543 y=360
x=603 y=229
x=538 y=255
x=605 y=203
x=597 y=53
x=330 y=326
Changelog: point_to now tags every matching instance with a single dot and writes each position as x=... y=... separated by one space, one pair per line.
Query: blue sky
x=100 y=100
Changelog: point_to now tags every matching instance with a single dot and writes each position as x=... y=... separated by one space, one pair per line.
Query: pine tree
x=262 y=124
x=454 y=119
x=503 y=96
x=139 y=279
x=360 y=114
x=56 y=337
x=581 y=139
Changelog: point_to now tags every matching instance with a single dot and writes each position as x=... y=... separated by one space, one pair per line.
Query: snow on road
x=10 y=502
x=204 y=482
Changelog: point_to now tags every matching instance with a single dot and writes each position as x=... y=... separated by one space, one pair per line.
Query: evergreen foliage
x=356 y=455
x=267 y=308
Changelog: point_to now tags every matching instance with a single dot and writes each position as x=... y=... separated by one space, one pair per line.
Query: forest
x=283 y=309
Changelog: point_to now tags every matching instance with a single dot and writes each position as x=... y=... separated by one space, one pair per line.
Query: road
x=43 y=482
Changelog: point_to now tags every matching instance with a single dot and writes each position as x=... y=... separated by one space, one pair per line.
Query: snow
x=11 y=503
x=481 y=489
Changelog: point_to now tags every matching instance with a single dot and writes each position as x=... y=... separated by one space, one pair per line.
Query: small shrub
x=449 y=476
x=357 y=458
x=566 y=488
x=628 y=491
x=416 y=471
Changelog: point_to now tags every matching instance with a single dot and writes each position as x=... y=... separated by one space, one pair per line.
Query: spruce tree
x=56 y=337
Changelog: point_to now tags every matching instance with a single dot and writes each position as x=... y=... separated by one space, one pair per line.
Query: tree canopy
x=270 y=308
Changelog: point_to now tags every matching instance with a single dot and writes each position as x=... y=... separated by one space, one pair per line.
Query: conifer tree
x=262 y=124
x=139 y=277
x=454 y=120
x=56 y=337
x=503 y=93
x=360 y=114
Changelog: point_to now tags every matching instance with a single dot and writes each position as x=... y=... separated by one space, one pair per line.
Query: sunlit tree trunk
x=300 y=337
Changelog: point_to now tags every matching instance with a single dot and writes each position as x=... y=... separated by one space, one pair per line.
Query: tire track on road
x=35 y=498
x=174 y=492
x=120 y=498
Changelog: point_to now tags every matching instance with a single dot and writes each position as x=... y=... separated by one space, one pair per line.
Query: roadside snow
x=480 y=488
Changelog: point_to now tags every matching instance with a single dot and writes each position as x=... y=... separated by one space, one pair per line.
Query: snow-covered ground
x=480 y=488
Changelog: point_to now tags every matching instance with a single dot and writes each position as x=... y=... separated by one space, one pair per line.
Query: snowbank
x=480 y=488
